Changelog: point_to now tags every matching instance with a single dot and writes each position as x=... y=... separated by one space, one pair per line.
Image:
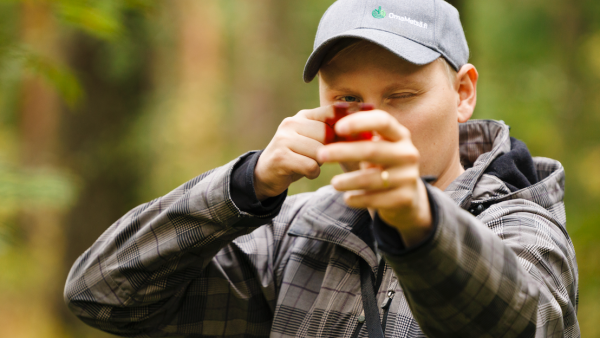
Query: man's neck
x=451 y=173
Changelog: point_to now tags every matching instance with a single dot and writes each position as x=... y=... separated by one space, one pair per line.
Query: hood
x=515 y=168
x=500 y=168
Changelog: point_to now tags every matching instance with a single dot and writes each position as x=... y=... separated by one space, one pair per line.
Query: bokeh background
x=106 y=104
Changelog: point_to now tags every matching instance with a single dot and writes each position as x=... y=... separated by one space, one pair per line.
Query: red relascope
x=342 y=109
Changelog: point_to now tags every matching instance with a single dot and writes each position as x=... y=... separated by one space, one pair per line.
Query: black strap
x=368 y=299
x=380 y=270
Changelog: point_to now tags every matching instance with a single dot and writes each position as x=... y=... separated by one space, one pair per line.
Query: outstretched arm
x=511 y=274
x=171 y=265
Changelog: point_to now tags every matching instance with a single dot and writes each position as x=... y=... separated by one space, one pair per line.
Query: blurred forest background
x=106 y=104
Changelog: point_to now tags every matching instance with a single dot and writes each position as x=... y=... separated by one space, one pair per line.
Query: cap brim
x=407 y=49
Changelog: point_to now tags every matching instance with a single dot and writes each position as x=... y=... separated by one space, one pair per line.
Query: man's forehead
x=378 y=61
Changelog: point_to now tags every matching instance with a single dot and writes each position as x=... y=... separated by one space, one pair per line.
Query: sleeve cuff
x=242 y=189
x=389 y=240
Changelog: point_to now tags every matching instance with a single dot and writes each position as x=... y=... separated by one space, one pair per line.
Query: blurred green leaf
x=102 y=22
x=36 y=187
x=58 y=76
x=102 y=19
x=144 y=5
x=61 y=77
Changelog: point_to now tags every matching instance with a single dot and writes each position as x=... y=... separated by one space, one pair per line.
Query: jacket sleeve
x=188 y=263
x=511 y=273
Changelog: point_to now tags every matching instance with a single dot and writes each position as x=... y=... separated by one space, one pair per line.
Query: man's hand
x=403 y=204
x=292 y=153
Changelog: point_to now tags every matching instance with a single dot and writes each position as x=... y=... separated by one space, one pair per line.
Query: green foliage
x=57 y=75
x=27 y=188
x=30 y=189
x=103 y=19
x=35 y=187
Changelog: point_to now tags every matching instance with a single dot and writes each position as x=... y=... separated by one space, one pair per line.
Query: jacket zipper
x=361 y=322
x=386 y=307
x=379 y=278
x=386 y=310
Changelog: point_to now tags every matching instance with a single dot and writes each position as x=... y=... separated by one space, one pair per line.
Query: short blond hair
x=348 y=46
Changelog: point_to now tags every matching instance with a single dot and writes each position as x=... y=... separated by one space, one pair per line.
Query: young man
x=229 y=254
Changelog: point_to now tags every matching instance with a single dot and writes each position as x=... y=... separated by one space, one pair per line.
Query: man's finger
x=371 y=179
x=381 y=152
x=398 y=199
x=376 y=120
x=308 y=128
x=306 y=147
x=317 y=114
x=294 y=163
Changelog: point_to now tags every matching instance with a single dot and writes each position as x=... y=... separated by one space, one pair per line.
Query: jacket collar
x=481 y=142
x=329 y=219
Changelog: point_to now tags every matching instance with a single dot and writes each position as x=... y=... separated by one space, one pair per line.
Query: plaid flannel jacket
x=191 y=264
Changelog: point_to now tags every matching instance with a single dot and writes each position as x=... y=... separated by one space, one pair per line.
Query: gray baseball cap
x=419 y=31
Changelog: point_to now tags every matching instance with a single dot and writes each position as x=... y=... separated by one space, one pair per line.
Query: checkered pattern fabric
x=191 y=264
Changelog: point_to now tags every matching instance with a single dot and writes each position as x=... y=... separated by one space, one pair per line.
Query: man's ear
x=466 y=86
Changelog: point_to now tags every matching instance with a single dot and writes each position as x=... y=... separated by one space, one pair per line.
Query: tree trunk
x=98 y=143
x=30 y=310
x=184 y=125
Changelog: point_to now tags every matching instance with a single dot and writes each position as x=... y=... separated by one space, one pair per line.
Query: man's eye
x=403 y=96
x=349 y=99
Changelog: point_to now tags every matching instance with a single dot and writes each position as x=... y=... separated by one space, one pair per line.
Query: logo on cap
x=378 y=13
